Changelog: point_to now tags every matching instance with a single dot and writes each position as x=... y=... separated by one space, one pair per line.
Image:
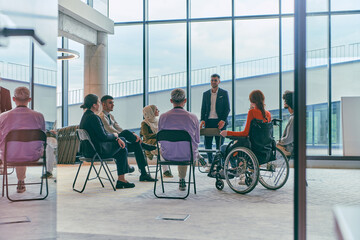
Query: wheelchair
x=243 y=167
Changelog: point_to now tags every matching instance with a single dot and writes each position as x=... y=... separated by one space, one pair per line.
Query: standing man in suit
x=215 y=109
x=5 y=100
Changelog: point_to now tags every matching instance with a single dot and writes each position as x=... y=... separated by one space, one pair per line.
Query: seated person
x=21 y=118
x=51 y=145
x=179 y=119
x=257 y=111
x=106 y=144
x=286 y=143
x=134 y=142
x=149 y=128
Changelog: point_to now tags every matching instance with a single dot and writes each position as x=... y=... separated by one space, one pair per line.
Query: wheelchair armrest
x=234 y=138
x=276 y=121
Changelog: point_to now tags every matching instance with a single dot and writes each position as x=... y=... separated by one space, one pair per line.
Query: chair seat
x=207 y=150
x=84 y=159
x=18 y=164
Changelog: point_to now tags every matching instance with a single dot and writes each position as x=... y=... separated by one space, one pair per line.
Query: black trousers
x=213 y=123
x=135 y=147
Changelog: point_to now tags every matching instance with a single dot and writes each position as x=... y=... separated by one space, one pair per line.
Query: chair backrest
x=25 y=135
x=84 y=137
x=174 y=136
x=262 y=140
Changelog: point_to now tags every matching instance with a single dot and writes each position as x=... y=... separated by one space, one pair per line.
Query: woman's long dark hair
x=89 y=101
x=258 y=98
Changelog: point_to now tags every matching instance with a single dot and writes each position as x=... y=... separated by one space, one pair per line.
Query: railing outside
x=20 y=72
x=244 y=69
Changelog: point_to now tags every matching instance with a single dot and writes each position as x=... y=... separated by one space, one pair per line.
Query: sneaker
x=21 y=187
x=167 y=174
x=47 y=175
x=148 y=147
x=182 y=185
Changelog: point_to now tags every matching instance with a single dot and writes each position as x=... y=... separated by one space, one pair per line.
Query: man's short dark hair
x=106 y=97
x=288 y=98
x=215 y=75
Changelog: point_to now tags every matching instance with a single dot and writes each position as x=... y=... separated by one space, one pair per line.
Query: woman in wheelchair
x=257 y=111
x=251 y=156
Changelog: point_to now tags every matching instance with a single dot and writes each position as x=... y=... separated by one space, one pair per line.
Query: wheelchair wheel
x=274 y=174
x=219 y=184
x=241 y=170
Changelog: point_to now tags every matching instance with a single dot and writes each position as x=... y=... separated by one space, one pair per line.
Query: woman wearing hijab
x=149 y=129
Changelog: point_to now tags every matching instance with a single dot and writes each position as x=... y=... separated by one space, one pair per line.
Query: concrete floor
x=100 y=213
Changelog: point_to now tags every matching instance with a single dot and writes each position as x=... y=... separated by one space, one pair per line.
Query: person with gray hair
x=21 y=117
x=179 y=119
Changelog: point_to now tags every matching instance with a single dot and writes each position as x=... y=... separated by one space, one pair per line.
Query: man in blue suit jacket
x=215 y=110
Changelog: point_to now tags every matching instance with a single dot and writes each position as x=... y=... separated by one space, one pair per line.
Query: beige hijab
x=150 y=118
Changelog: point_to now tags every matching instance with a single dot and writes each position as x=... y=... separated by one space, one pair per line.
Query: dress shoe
x=120 y=184
x=146 y=178
x=131 y=169
x=148 y=147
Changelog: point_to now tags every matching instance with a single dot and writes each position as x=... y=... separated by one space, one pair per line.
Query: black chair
x=84 y=138
x=25 y=135
x=174 y=136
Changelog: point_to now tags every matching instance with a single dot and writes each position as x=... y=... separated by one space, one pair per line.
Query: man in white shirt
x=134 y=143
x=215 y=110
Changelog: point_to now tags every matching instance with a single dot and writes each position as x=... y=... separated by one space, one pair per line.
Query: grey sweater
x=287 y=139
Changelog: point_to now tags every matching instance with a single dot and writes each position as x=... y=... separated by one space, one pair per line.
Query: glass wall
x=263 y=30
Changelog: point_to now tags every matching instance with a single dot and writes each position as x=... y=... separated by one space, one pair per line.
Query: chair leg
x=80 y=191
x=107 y=174
x=194 y=178
x=156 y=173
x=162 y=179
x=107 y=166
x=97 y=173
x=3 y=185
x=42 y=180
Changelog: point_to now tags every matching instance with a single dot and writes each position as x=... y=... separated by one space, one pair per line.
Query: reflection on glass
x=256 y=7
x=345 y=56
x=126 y=11
x=210 y=8
x=167 y=62
x=165 y=9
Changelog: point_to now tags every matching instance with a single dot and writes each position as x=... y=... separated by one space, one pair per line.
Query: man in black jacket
x=215 y=109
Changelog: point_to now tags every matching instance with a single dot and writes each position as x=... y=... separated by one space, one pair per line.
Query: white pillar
x=95 y=67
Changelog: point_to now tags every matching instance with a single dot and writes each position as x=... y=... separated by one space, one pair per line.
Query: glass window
x=345 y=5
x=210 y=8
x=317 y=84
x=101 y=6
x=76 y=83
x=167 y=62
x=126 y=11
x=345 y=56
x=316 y=5
x=125 y=75
x=165 y=9
x=257 y=65
x=210 y=53
x=287 y=6
x=45 y=85
x=256 y=7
